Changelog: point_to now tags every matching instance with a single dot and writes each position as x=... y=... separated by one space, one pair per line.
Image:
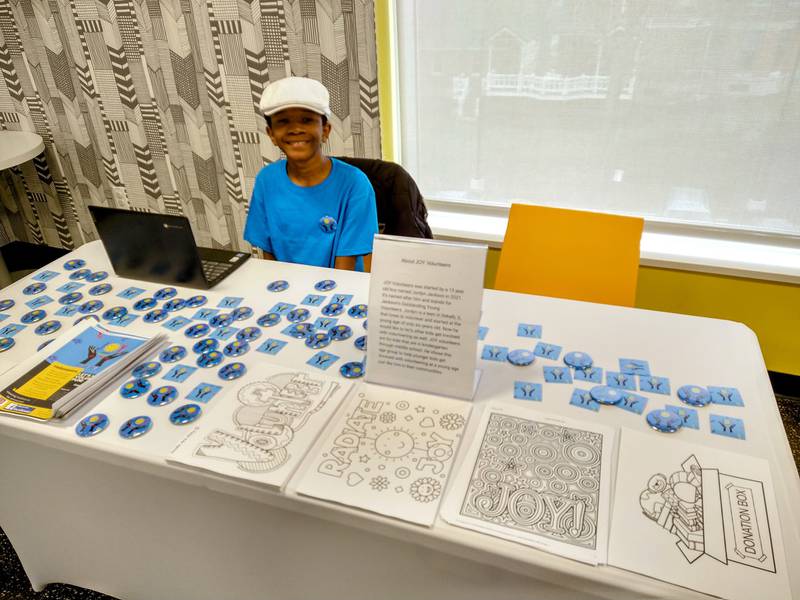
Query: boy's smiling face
x=299 y=133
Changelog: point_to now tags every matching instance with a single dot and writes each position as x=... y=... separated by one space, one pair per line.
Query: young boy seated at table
x=308 y=208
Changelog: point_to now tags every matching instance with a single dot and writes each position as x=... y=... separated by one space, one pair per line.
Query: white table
x=113 y=516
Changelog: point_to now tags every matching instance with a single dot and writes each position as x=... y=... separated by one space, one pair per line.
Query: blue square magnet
x=527 y=390
x=482 y=331
x=203 y=392
x=322 y=360
x=654 y=385
x=39 y=301
x=593 y=374
x=529 y=331
x=634 y=366
x=45 y=276
x=727 y=426
x=634 y=403
x=496 y=353
x=689 y=415
x=557 y=374
x=313 y=300
x=230 y=302
x=271 y=346
x=550 y=351
x=70 y=286
x=130 y=292
x=583 y=399
x=175 y=323
x=621 y=381
x=179 y=373
x=726 y=396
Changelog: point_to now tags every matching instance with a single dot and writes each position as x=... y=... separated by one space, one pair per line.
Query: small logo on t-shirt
x=327 y=224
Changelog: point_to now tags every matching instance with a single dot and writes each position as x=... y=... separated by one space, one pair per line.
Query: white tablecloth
x=111 y=515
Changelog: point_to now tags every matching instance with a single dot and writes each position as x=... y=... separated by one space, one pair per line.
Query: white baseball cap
x=295 y=92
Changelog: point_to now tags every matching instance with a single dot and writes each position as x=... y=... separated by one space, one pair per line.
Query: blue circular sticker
x=74 y=263
x=100 y=289
x=278 y=286
x=300 y=330
x=358 y=311
x=165 y=293
x=341 y=332
x=364 y=324
x=297 y=314
x=327 y=224
x=248 y=334
x=318 y=339
x=578 y=360
x=664 y=420
x=135 y=427
x=185 y=414
x=144 y=304
x=241 y=313
x=33 y=316
x=80 y=274
x=174 y=304
x=92 y=425
x=604 y=394
x=6 y=304
x=162 y=395
x=205 y=345
x=90 y=306
x=34 y=288
x=221 y=320
x=97 y=276
x=196 y=301
x=361 y=342
x=694 y=395
x=325 y=285
x=269 y=319
x=521 y=357
x=70 y=298
x=209 y=359
x=236 y=348
x=351 y=370
x=135 y=388
x=156 y=315
x=232 y=371
x=197 y=330
x=47 y=327
x=116 y=312
x=172 y=354
x=6 y=343
x=147 y=369
x=332 y=309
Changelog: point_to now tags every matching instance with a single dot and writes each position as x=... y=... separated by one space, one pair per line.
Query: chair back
x=401 y=208
x=571 y=254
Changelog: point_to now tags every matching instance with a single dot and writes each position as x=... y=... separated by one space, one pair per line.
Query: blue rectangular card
x=11 y=329
x=313 y=300
x=325 y=323
x=175 y=323
x=482 y=331
x=70 y=286
x=726 y=396
x=124 y=320
x=527 y=390
x=130 y=292
x=550 y=351
x=634 y=366
x=281 y=308
x=496 y=353
x=342 y=298
x=45 y=275
x=593 y=374
x=654 y=385
x=4 y=316
x=67 y=311
x=529 y=331
x=557 y=374
x=727 y=426
x=223 y=333
x=689 y=415
x=179 y=373
x=203 y=392
x=271 y=346
x=583 y=399
x=38 y=301
x=230 y=302
x=621 y=380
x=205 y=314
x=322 y=360
x=634 y=403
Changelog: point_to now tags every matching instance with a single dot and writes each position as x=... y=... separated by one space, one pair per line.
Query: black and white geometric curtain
x=153 y=104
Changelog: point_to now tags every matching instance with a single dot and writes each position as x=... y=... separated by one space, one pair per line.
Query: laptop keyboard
x=213 y=270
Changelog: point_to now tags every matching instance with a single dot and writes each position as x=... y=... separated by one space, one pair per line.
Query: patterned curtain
x=152 y=105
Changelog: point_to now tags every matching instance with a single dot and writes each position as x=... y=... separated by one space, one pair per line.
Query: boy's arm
x=348 y=263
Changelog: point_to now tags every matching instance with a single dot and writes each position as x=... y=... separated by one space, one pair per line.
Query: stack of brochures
x=70 y=370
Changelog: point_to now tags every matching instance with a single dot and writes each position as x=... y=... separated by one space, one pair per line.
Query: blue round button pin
x=185 y=414
x=694 y=395
x=232 y=371
x=278 y=286
x=90 y=306
x=135 y=427
x=340 y=332
x=604 y=394
x=352 y=370
x=165 y=293
x=117 y=312
x=146 y=370
x=333 y=309
x=162 y=395
x=33 y=316
x=70 y=298
x=134 y=388
x=172 y=354
x=236 y=348
x=97 y=276
x=209 y=359
x=327 y=224
x=364 y=324
x=318 y=339
x=144 y=304
x=205 y=345
x=325 y=285
x=80 y=274
x=33 y=289
x=221 y=320
x=197 y=330
x=361 y=342
x=74 y=263
x=521 y=357
x=578 y=360
x=6 y=304
x=6 y=343
x=248 y=334
x=300 y=330
x=297 y=314
x=156 y=315
x=664 y=420
x=47 y=327
x=240 y=313
x=174 y=304
x=358 y=311
x=100 y=289
x=92 y=425
x=269 y=319
x=196 y=301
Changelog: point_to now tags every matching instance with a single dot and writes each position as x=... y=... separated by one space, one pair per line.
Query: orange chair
x=570 y=254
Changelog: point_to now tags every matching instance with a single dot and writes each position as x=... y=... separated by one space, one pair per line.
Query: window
x=679 y=111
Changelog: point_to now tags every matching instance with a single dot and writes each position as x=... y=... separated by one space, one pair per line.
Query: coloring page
x=538 y=480
x=264 y=426
x=697 y=517
x=390 y=452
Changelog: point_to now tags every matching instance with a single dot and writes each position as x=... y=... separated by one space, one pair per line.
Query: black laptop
x=161 y=248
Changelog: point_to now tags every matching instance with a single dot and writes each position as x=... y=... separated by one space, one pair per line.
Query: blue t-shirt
x=286 y=219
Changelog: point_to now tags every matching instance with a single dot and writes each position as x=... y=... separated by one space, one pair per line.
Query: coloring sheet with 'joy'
x=260 y=431
x=390 y=452
x=697 y=517
x=537 y=480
